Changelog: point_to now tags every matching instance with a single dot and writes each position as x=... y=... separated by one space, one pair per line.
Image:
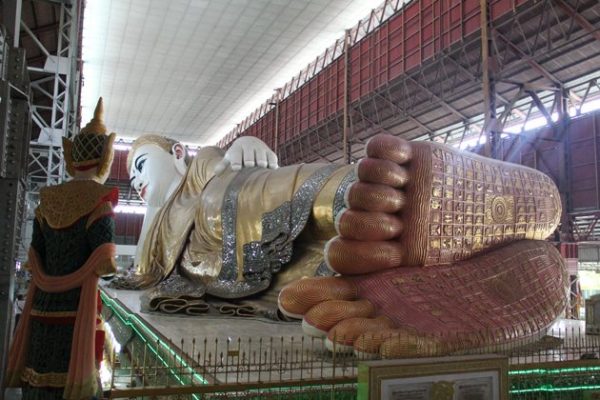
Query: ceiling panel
x=193 y=69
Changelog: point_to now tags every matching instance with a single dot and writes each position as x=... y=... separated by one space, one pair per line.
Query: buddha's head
x=90 y=154
x=156 y=164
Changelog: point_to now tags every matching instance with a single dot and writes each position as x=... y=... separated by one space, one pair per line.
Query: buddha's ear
x=68 y=154
x=179 y=157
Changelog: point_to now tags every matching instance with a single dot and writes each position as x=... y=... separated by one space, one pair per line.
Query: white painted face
x=155 y=173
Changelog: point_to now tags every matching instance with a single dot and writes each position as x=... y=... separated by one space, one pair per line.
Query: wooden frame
x=442 y=378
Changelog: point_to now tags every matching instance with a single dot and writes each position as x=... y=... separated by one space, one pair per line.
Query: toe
x=385 y=172
x=367 y=226
x=367 y=344
x=352 y=257
x=388 y=147
x=342 y=336
x=396 y=343
x=300 y=296
x=374 y=197
x=324 y=316
x=403 y=343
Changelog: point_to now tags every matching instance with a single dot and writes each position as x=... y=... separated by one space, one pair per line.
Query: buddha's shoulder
x=209 y=152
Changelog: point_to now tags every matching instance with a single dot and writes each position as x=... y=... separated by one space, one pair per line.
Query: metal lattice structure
x=15 y=122
x=55 y=88
x=55 y=84
x=419 y=74
x=39 y=100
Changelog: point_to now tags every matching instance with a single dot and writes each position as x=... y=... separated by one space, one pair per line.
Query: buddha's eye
x=139 y=162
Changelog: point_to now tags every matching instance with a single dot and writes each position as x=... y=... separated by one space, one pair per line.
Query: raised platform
x=220 y=349
x=177 y=327
x=566 y=339
x=171 y=354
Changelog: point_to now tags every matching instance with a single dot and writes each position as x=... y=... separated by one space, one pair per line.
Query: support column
x=276 y=129
x=11 y=17
x=488 y=86
x=15 y=129
x=569 y=251
x=347 y=147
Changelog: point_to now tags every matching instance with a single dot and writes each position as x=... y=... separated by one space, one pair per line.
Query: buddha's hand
x=247 y=151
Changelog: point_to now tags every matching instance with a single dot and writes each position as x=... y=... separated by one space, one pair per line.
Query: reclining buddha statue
x=417 y=249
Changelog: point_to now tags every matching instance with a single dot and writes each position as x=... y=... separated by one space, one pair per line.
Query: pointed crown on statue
x=92 y=147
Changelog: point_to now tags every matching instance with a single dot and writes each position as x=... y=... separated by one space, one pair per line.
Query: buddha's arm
x=234 y=215
x=246 y=224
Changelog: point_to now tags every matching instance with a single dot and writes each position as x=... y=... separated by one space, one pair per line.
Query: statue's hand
x=247 y=151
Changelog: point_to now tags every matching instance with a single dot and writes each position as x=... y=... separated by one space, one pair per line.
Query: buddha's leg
x=421 y=203
x=504 y=295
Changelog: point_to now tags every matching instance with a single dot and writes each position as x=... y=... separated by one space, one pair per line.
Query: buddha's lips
x=143 y=192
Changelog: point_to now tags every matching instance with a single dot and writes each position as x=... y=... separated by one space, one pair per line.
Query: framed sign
x=481 y=377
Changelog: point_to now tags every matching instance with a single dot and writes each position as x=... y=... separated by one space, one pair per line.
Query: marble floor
x=264 y=349
x=177 y=327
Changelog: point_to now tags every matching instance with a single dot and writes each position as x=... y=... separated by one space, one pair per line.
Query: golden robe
x=243 y=232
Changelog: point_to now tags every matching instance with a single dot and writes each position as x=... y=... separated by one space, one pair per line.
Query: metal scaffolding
x=55 y=90
x=55 y=103
x=14 y=140
x=39 y=99
x=420 y=73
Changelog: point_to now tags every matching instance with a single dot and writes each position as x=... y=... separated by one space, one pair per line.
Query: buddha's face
x=154 y=173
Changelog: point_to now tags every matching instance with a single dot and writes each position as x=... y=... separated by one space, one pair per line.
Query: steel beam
x=405 y=114
x=11 y=15
x=538 y=103
x=61 y=73
x=15 y=129
x=33 y=37
x=276 y=128
x=479 y=80
x=534 y=64
x=437 y=98
x=488 y=84
x=581 y=21
x=11 y=212
x=347 y=150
